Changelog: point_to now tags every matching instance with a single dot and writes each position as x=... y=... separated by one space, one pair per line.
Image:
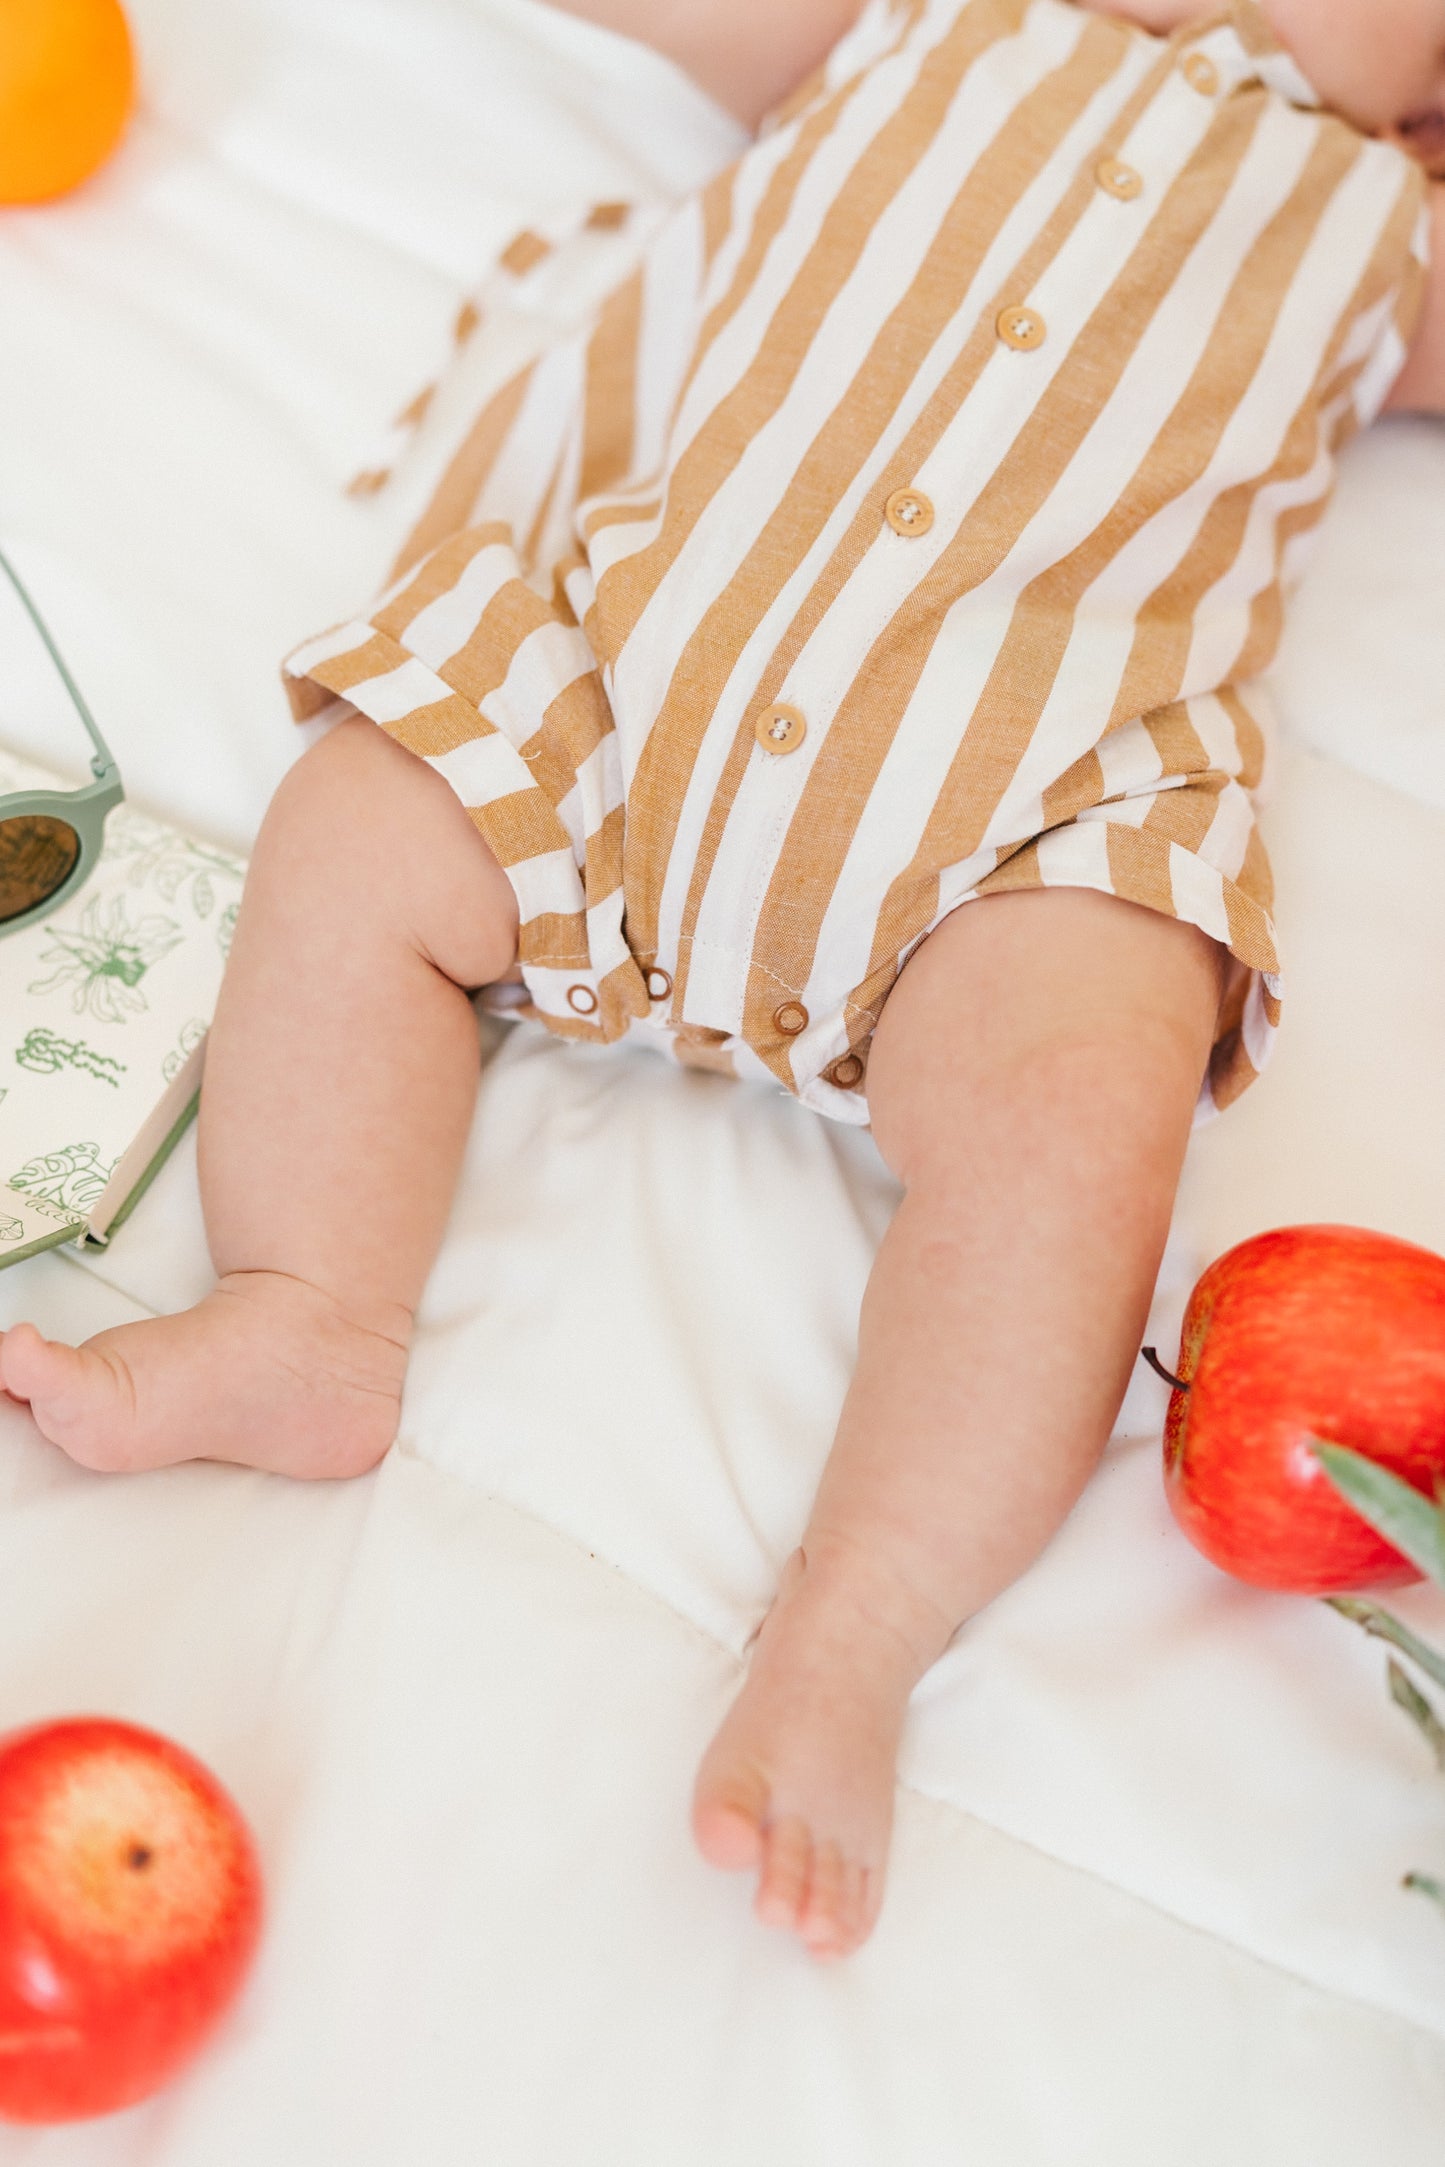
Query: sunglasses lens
x=37 y=856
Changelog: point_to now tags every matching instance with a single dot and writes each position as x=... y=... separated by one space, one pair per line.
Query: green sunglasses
x=50 y=839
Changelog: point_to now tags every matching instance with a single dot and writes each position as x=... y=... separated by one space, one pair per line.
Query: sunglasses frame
x=83 y=809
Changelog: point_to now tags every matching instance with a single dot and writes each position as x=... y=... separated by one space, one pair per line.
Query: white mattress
x=1145 y=1899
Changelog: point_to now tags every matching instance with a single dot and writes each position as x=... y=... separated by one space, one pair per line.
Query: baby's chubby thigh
x=1060 y=1002
x=362 y=830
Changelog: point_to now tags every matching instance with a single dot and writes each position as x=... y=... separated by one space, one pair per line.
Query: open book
x=104 y=1009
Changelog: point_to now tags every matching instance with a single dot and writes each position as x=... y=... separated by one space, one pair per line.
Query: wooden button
x=1117 y=179
x=908 y=511
x=847 y=1072
x=1021 y=328
x=1201 y=74
x=780 y=729
x=791 y=1018
x=582 y=999
x=659 y=985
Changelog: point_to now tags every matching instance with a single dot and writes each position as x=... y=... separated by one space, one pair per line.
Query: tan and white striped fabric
x=906 y=528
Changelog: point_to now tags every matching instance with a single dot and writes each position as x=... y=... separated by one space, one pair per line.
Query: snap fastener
x=659 y=985
x=908 y=512
x=847 y=1072
x=1201 y=74
x=1021 y=328
x=1117 y=179
x=582 y=999
x=791 y=1018
x=780 y=729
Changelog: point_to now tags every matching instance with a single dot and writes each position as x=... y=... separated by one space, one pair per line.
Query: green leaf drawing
x=166 y=861
x=104 y=959
x=192 y=1032
x=72 y=1177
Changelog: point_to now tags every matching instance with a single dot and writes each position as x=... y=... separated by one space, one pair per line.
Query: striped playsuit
x=907 y=527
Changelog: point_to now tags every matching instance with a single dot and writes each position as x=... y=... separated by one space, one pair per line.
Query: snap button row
x=658 y=983
x=582 y=1000
x=1117 y=179
x=1201 y=74
x=780 y=728
x=908 y=512
x=846 y=1073
x=1021 y=328
x=791 y=1018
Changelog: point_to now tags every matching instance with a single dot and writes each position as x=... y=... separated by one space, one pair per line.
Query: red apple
x=130 y=1906
x=1326 y=1332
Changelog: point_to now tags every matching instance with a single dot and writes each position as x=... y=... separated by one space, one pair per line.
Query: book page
x=102 y=1003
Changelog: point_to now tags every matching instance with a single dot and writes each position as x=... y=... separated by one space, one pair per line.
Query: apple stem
x=1152 y=1358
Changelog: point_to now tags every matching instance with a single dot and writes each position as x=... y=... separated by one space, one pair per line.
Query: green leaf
x=1372 y=1619
x=1401 y=1514
x=1426 y=1886
x=1407 y=1696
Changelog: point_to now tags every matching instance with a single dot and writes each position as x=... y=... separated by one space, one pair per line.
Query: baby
x=904 y=533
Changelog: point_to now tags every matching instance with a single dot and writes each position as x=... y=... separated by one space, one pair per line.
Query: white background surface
x=1144 y=1904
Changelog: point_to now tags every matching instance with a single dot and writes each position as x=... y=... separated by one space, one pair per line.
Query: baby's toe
x=728 y=1814
x=821 y=1925
x=54 y=1378
x=859 y=1908
x=787 y=1872
x=19 y=1348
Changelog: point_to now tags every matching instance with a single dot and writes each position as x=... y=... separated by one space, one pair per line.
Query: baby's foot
x=267 y=1371
x=798 y=1783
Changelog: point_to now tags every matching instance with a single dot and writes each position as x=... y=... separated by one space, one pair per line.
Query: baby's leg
x=339 y=1086
x=1032 y=1083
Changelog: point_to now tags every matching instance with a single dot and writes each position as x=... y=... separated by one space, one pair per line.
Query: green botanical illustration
x=105 y=958
x=72 y=1177
x=168 y=862
x=191 y=1035
x=226 y=926
x=11 y=1229
x=44 y=1053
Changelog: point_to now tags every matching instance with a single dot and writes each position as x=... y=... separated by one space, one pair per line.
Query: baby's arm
x=748 y=54
x=1420 y=387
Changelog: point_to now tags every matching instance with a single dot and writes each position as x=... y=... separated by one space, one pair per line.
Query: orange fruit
x=67 y=82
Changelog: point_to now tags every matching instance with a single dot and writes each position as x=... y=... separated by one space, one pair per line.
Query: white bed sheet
x=1145 y=1897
